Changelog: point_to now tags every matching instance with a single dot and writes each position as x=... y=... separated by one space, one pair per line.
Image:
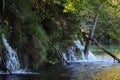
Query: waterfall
x=81 y=47
x=71 y=57
x=91 y=56
x=12 y=61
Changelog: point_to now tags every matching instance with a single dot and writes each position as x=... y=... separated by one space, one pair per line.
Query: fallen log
x=101 y=47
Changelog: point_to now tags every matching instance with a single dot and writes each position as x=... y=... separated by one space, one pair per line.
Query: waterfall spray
x=12 y=61
x=72 y=54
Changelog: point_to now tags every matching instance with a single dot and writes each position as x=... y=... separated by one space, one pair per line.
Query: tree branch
x=101 y=47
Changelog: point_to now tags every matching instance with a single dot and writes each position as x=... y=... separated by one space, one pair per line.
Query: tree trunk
x=88 y=42
x=3 y=6
x=101 y=47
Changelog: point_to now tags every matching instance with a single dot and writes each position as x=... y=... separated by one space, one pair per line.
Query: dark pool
x=74 y=71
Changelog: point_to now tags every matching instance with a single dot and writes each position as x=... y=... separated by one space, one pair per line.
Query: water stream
x=91 y=56
x=12 y=61
x=72 y=57
x=75 y=71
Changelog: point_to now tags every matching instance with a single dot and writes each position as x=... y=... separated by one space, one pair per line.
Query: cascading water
x=91 y=56
x=12 y=61
x=79 y=45
x=71 y=57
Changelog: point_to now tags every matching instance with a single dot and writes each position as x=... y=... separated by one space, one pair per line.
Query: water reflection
x=6 y=77
x=74 y=71
x=34 y=77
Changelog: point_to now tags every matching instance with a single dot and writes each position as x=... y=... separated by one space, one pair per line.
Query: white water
x=12 y=62
x=71 y=51
x=71 y=57
x=81 y=47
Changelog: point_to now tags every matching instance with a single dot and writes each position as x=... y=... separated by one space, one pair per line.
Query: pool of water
x=73 y=71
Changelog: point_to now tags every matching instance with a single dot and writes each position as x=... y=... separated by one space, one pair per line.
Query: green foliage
x=35 y=22
x=108 y=16
x=37 y=30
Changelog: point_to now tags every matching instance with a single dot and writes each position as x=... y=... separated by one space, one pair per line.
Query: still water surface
x=74 y=71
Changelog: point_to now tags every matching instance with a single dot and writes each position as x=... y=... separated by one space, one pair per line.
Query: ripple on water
x=74 y=71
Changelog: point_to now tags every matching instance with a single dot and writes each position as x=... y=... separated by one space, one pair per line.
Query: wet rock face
x=2 y=60
x=29 y=57
x=0 y=54
x=2 y=68
x=10 y=59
